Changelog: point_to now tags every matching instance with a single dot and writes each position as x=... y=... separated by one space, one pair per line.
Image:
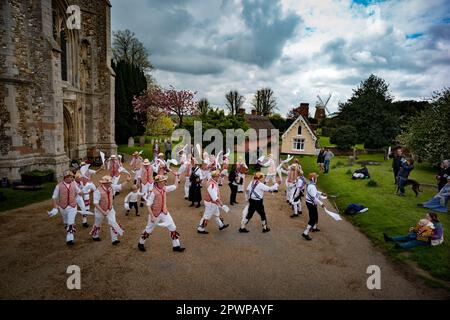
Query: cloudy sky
x=299 y=48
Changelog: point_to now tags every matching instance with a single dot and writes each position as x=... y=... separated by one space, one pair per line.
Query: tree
x=128 y=48
x=427 y=134
x=279 y=122
x=168 y=101
x=234 y=101
x=162 y=126
x=203 y=106
x=129 y=81
x=264 y=102
x=344 y=137
x=371 y=112
x=293 y=114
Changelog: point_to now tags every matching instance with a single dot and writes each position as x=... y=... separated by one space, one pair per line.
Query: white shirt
x=87 y=188
x=140 y=172
x=258 y=192
x=312 y=194
x=151 y=195
x=97 y=194
x=133 y=197
x=212 y=190
x=203 y=174
x=56 y=191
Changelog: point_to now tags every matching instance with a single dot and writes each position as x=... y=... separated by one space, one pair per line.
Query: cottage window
x=298 y=144
x=299 y=130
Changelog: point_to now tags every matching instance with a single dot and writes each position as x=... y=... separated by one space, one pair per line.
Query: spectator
x=396 y=163
x=439 y=202
x=443 y=174
x=362 y=173
x=438 y=232
x=155 y=150
x=168 y=149
x=327 y=159
x=420 y=235
x=321 y=160
x=406 y=167
x=233 y=183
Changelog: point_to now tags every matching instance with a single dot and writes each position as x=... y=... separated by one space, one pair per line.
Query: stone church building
x=56 y=84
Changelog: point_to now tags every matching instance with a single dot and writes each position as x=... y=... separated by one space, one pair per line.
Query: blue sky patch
x=414 y=35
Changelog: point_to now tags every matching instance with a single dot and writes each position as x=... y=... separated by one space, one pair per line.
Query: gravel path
x=221 y=265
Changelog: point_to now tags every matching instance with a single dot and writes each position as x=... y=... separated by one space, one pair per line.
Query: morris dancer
x=242 y=170
x=293 y=172
x=255 y=195
x=186 y=166
x=113 y=164
x=212 y=205
x=136 y=164
x=299 y=191
x=145 y=179
x=225 y=165
x=161 y=166
x=83 y=200
x=65 y=199
x=271 y=171
x=312 y=200
x=158 y=213
x=103 y=202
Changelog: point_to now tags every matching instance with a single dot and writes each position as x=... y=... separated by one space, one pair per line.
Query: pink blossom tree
x=156 y=101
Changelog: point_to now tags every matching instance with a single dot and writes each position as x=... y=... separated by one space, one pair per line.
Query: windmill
x=321 y=108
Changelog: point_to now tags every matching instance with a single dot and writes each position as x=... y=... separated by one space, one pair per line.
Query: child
x=131 y=200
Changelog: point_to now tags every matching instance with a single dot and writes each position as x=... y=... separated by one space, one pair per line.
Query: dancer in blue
x=439 y=202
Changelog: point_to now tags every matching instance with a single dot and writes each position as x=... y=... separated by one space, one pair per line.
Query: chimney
x=241 y=111
x=253 y=112
x=304 y=110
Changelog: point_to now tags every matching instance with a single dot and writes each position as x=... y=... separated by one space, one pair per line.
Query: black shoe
x=198 y=206
x=115 y=243
x=96 y=239
x=191 y=205
x=138 y=215
x=85 y=225
x=315 y=230
x=224 y=227
x=276 y=191
x=243 y=230
x=420 y=205
x=266 y=230
x=202 y=232
x=70 y=243
x=141 y=205
x=387 y=238
x=306 y=236
x=178 y=249
x=141 y=247
x=185 y=198
x=231 y=204
x=293 y=215
x=127 y=213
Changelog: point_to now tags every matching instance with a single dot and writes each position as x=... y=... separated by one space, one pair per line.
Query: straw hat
x=258 y=175
x=135 y=153
x=160 y=155
x=146 y=162
x=215 y=173
x=113 y=157
x=160 y=178
x=68 y=173
x=106 y=179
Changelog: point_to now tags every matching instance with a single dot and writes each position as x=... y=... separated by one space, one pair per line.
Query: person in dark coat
x=233 y=180
x=396 y=163
x=195 y=189
x=444 y=173
x=321 y=160
x=406 y=167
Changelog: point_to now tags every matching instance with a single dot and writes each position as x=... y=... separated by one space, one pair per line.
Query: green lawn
x=387 y=212
x=325 y=142
x=19 y=198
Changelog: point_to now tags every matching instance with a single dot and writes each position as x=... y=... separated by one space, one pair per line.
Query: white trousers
x=82 y=206
x=69 y=214
x=164 y=221
x=99 y=217
x=241 y=186
x=211 y=210
x=290 y=189
x=187 y=184
x=271 y=177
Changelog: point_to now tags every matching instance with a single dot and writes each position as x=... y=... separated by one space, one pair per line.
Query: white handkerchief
x=334 y=215
x=323 y=197
x=102 y=155
x=225 y=208
x=52 y=213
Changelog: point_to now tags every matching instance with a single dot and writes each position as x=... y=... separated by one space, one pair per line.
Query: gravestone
x=142 y=141
x=131 y=142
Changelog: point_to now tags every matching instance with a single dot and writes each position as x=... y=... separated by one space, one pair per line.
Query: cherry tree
x=157 y=101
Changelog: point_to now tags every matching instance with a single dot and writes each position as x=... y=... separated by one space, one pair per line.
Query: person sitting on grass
x=438 y=232
x=420 y=235
x=362 y=173
x=439 y=202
